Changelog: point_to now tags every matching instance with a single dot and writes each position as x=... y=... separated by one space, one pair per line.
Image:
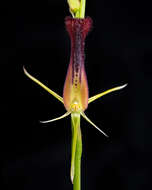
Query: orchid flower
x=75 y=91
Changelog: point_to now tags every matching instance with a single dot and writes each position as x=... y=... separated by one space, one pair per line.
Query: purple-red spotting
x=75 y=92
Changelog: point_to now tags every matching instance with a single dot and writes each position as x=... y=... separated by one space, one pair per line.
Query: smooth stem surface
x=81 y=12
x=78 y=153
x=82 y=8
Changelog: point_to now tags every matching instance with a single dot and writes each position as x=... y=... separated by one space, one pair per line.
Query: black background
x=118 y=51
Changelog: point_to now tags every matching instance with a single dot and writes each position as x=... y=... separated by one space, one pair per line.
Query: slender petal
x=58 y=118
x=87 y=119
x=43 y=86
x=93 y=98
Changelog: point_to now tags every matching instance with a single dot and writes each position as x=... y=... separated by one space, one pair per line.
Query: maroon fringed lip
x=78 y=30
x=83 y=25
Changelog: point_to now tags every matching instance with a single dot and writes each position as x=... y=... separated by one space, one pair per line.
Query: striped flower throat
x=75 y=93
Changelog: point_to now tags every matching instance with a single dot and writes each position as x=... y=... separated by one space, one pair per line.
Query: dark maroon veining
x=78 y=30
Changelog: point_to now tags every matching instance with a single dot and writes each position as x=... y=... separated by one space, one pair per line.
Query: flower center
x=75 y=106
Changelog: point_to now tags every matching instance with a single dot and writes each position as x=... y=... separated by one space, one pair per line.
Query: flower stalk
x=76 y=152
x=77 y=8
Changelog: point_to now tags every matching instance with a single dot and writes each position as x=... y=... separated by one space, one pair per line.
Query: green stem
x=77 y=164
x=82 y=9
x=81 y=12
